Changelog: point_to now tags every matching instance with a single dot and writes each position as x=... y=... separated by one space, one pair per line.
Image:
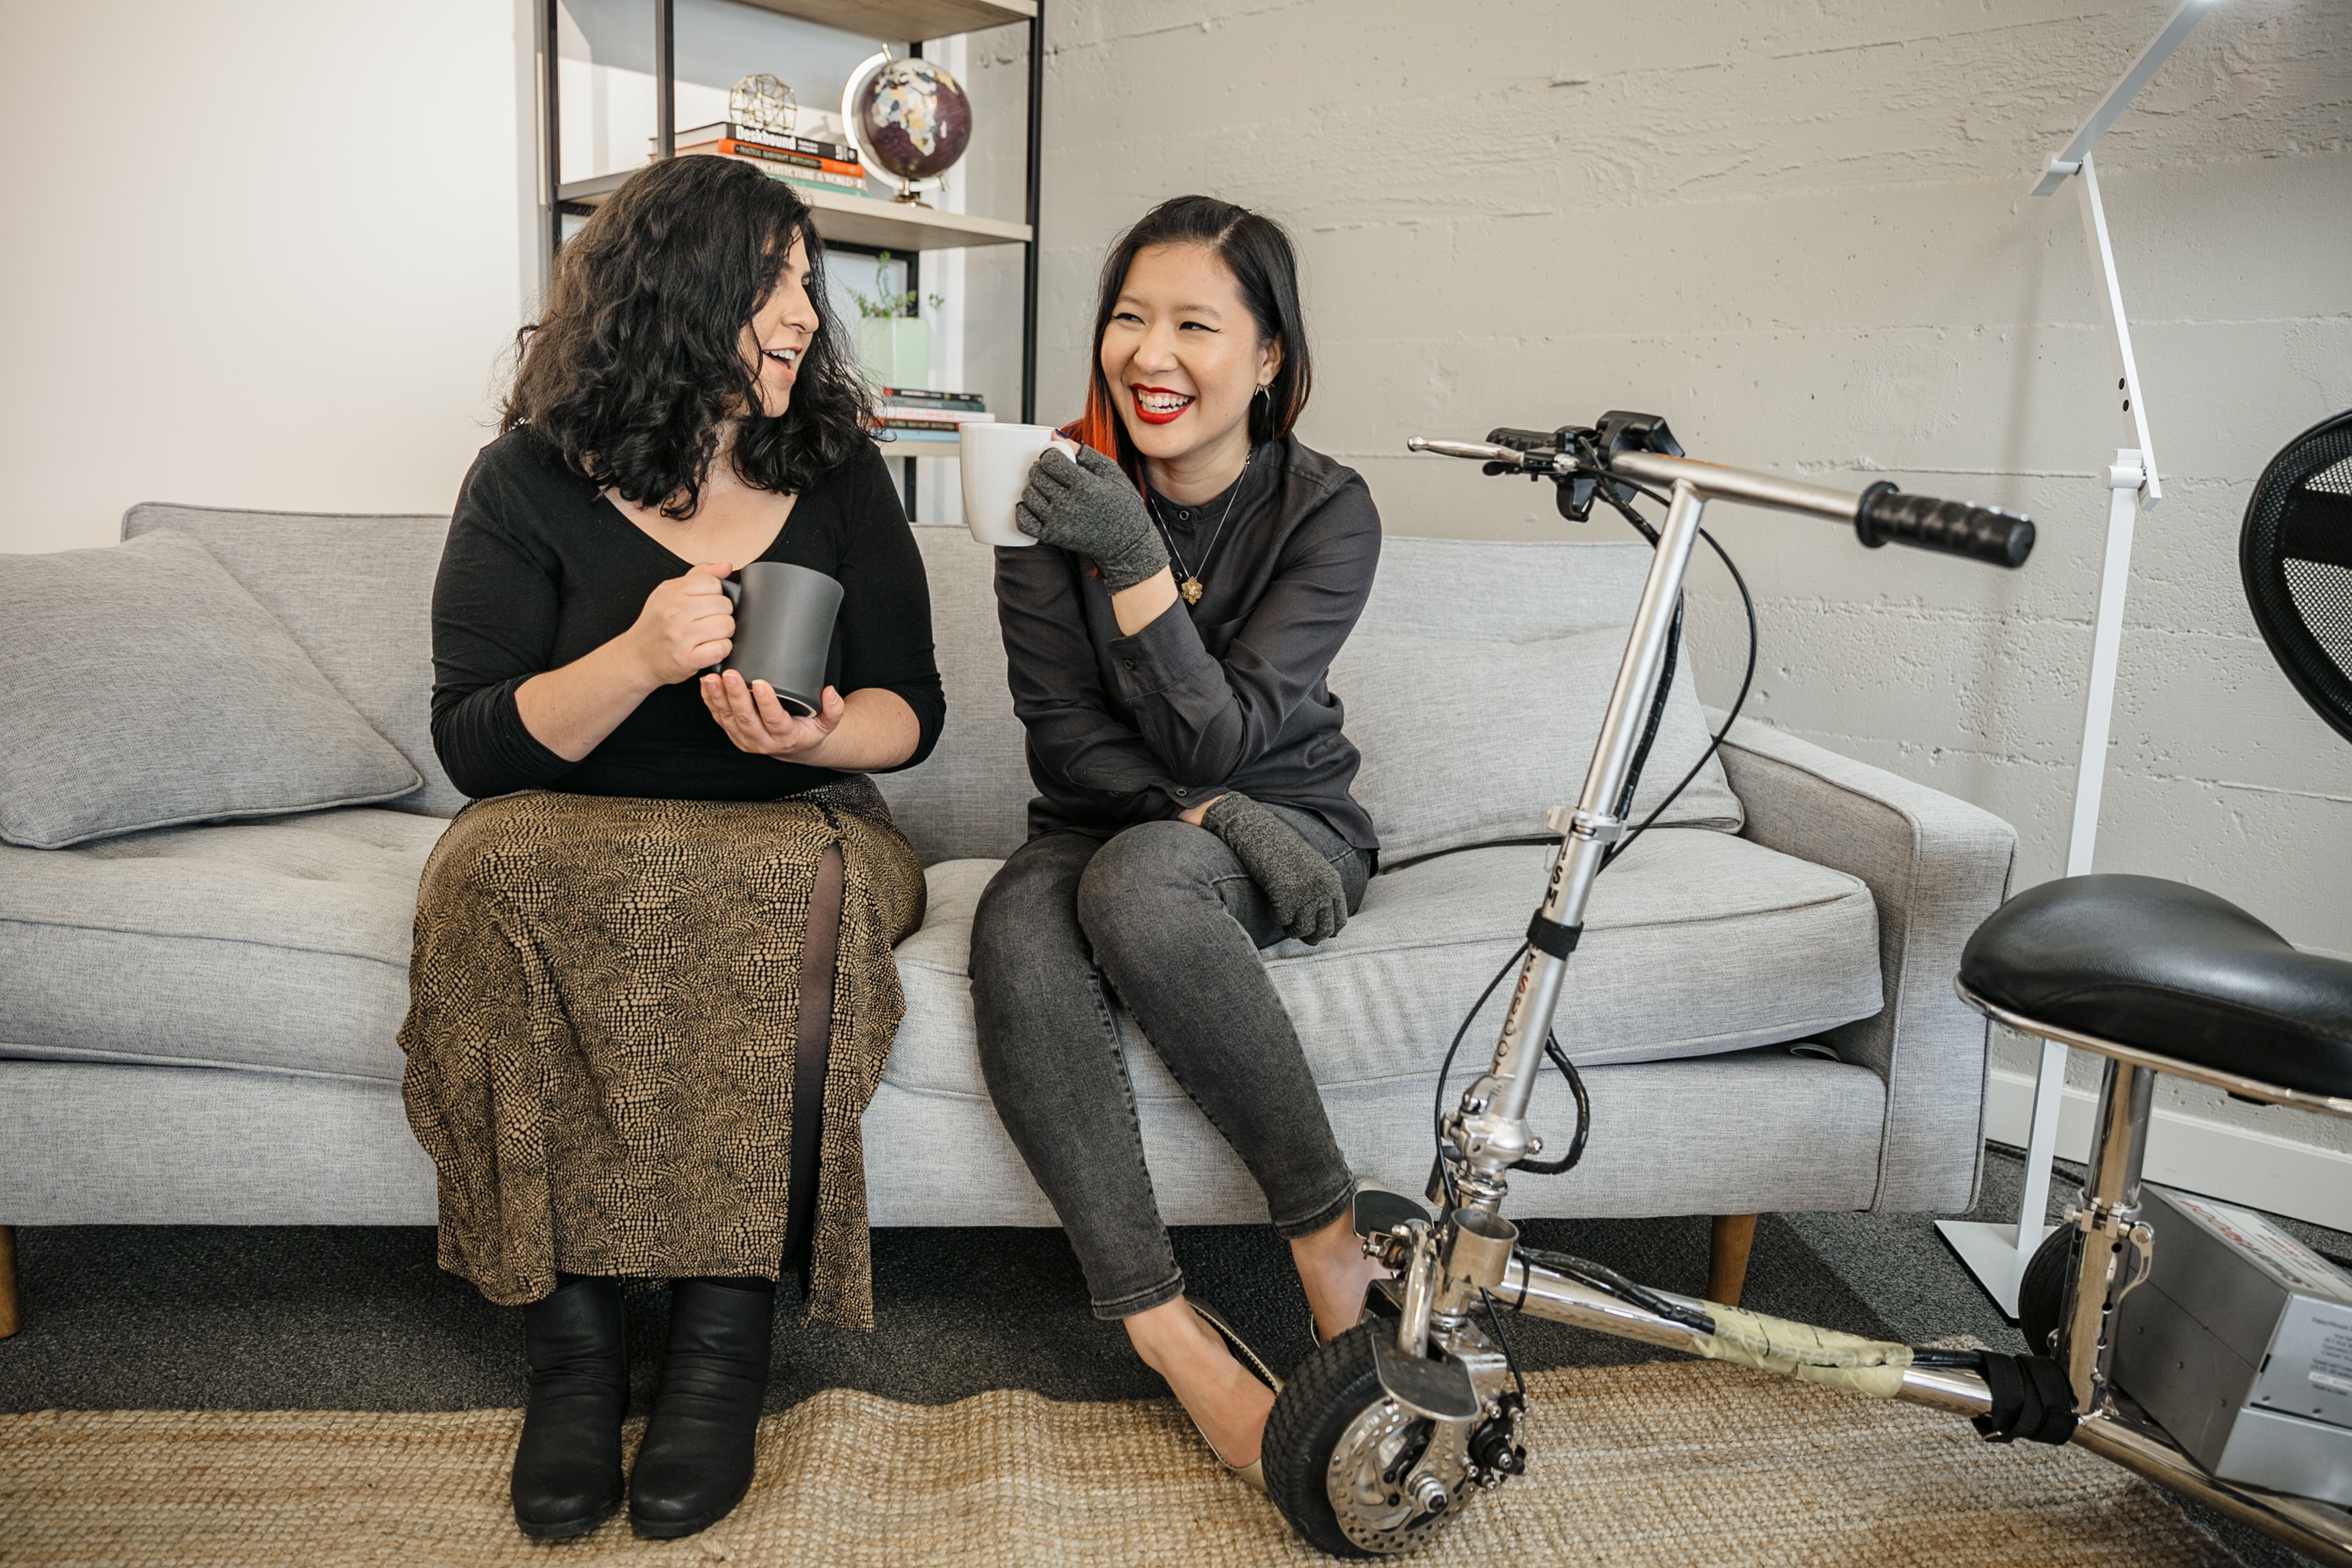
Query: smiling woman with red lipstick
x=1168 y=643
x=631 y=947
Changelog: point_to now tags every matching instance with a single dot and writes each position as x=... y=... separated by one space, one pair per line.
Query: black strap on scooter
x=1550 y=936
x=2031 y=1399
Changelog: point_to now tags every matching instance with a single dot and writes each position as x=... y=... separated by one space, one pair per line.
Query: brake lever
x=1482 y=452
x=1561 y=463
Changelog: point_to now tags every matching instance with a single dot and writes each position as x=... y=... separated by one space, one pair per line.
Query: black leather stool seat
x=2168 y=969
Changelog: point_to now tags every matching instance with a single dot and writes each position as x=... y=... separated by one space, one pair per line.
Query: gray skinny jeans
x=1165 y=916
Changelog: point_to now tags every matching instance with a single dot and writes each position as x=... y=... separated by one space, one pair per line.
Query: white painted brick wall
x=1802 y=232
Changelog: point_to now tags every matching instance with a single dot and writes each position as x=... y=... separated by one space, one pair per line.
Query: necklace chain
x=1190 y=587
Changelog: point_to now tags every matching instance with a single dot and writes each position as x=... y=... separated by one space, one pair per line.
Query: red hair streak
x=1098 y=427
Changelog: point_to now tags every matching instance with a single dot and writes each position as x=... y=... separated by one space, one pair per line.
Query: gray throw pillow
x=140 y=686
x=1470 y=739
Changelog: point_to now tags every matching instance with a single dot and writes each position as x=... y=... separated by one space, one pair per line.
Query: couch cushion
x=357 y=592
x=279 y=945
x=1697 y=943
x=147 y=688
x=1475 y=684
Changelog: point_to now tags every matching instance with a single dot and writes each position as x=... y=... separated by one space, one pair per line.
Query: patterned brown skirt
x=603 y=1003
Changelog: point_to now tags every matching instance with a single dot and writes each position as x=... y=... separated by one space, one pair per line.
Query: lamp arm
x=2135 y=409
x=2143 y=70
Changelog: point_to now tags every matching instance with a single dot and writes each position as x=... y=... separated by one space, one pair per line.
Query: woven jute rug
x=1679 y=1464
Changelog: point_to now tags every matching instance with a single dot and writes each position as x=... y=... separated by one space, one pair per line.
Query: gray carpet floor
x=193 y=1318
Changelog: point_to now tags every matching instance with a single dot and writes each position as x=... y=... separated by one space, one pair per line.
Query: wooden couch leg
x=7 y=1280
x=1727 y=1257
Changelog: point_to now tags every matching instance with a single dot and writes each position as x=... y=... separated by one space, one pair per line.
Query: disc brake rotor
x=1368 y=1482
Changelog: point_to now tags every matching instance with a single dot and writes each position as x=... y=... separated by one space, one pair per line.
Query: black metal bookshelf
x=860 y=225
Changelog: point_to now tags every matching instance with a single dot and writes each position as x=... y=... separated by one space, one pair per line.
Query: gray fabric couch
x=197 y=1024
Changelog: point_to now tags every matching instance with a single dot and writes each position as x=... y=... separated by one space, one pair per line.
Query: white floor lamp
x=1997 y=1254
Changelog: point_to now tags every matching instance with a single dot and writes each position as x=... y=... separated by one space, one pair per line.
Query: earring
x=1266 y=390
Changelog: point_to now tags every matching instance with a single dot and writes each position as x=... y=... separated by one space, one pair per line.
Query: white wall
x=1802 y=231
x=262 y=254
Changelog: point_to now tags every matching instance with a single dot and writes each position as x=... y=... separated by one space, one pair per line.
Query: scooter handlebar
x=1979 y=532
x=1879 y=514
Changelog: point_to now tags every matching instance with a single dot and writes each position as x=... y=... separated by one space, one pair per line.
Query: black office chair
x=2157 y=976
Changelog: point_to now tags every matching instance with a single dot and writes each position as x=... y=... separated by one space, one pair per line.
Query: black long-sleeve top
x=539 y=569
x=1227 y=694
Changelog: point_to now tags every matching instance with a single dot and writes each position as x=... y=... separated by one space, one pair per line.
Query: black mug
x=783 y=630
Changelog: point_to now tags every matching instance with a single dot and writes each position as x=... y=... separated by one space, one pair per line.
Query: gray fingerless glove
x=1302 y=886
x=1091 y=507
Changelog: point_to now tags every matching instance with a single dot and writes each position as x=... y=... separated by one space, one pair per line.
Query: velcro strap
x=2031 y=1399
x=1551 y=936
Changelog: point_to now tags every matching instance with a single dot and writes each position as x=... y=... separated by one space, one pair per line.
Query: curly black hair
x=638 y=357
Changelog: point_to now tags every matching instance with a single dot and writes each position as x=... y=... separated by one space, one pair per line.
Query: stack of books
x=825 y=166
x=911 y=413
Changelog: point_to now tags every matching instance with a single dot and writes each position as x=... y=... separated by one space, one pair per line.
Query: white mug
x=995 y=460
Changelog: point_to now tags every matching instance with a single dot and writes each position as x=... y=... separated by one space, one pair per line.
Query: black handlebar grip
x=1979 y=532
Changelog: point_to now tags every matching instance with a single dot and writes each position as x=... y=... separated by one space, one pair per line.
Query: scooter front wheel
x=1339 y=1455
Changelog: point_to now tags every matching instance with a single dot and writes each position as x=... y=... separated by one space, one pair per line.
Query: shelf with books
x=898 y=227
x=920 y=415
x=809 y=160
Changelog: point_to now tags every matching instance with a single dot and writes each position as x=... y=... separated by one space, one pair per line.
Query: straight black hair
x=1258 y=252
x=638 y=357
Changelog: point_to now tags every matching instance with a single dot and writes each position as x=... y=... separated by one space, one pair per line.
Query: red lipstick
x=1159 y=416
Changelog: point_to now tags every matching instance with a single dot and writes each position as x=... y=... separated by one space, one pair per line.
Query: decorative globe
x=913 y=119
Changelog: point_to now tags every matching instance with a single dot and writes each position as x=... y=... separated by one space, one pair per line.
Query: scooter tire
x=2041 y=1290
x=1324 y=1397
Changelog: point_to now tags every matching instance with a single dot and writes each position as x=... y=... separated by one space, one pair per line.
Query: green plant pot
x=895 y=350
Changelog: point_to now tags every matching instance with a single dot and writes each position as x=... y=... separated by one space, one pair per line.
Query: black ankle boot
x=567 y=1467
x=695 y=1462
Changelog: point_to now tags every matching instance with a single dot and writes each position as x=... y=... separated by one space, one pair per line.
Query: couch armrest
x=1936 y=867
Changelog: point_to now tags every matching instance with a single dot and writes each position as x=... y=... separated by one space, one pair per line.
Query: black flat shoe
x=567 y=1466
x=696 y=1461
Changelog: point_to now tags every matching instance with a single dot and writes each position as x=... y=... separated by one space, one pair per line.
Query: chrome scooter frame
x=1470 y=1256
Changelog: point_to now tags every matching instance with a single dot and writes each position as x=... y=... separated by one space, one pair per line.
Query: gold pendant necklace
x=1189 y=588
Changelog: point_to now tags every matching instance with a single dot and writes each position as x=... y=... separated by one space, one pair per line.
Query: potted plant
x=893 y=342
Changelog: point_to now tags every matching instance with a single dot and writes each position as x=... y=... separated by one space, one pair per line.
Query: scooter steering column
x=1489 y=1132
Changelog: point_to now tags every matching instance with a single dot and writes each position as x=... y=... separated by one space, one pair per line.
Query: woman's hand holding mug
x=756 y=722
x=687 y=625
x=1092 y=508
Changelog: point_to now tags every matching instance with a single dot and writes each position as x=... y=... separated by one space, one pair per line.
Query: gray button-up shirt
x=1227 y=694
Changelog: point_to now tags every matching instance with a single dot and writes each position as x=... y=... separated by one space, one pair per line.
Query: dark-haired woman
x=658 y=945
x=1169 y=642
